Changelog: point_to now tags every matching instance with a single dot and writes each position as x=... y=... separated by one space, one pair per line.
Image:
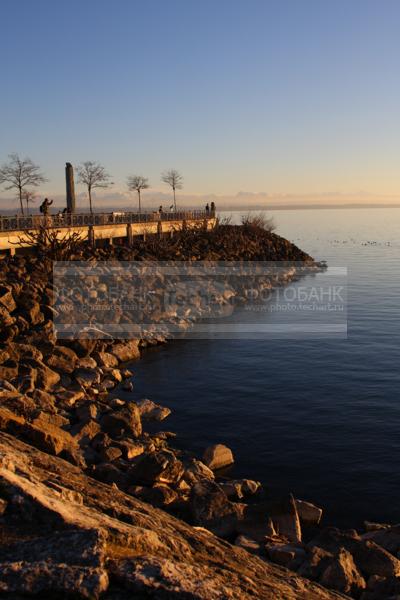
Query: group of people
x=44 y=208
x=210 y=208
x=161 y=210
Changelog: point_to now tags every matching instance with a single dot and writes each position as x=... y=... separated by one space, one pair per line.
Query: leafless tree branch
x=93 y=175
x=174 y=179
x=18 y=174
x=138 y=183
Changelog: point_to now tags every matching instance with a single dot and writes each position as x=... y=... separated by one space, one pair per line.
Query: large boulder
x=309 y=513
x=217 y=457
x=31 y=310
x=211 y=508
x=370 y=558
x=285 y=554
x=87 y=377
x=9 y=370
x=62 y=359
x=157 y=467
x=44 y=579
x=386 y=536
x=316 y=561
x=49 y=437
x=46 y=377
x=19 y=351
x=7 y=298
x=125 y=420
x=106 y=359
x=6 y=320
x=269 y=518
x=342 y=574
x=150 y=411
x=4 y=355
x=196 y=471
x=126 y=351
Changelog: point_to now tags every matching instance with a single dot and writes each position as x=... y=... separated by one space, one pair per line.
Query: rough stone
x=211 y=508
x=46 y=377
x=130 y=449
x=369 y=558
x=127 y=420
x=388 y=537
x=196 y=471
x=63 y=359
x=217 y=457
x=309 y=513
x=151 y=552
x=9 y=369
x=158 y=495
x=106 y=359
x=158 y=467
x=151 y=411
x=284 y=554
x=342 y=574
x=126 y=351
x=7 y=299
x=43 y=578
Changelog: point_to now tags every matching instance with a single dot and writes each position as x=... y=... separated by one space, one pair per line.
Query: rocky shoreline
x=94 y=505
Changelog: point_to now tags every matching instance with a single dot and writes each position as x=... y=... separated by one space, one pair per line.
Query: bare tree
x=174 y=179
x=19 y=174
x=93 y=175
x=138 y=183
x=30 y=197
x=52 y=243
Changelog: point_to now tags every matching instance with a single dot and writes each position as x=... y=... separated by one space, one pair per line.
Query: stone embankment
x=94 y=505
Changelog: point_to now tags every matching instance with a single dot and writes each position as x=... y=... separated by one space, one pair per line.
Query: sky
x=289 y=100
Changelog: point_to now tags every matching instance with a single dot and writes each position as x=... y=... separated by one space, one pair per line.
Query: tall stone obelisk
x=69 y=179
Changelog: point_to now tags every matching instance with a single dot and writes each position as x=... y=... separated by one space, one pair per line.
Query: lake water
x=318 y=417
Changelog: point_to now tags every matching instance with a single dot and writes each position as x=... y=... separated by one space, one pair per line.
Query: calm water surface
x=319 y=417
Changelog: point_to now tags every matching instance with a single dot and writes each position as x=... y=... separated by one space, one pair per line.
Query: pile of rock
x=76 y=462
x=64 y=535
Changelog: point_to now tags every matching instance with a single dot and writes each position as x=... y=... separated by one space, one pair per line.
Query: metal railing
x=21 y=223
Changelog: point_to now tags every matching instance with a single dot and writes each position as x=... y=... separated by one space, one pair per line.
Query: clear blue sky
x=259 y=95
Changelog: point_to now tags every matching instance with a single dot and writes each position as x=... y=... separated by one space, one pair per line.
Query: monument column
x=69 y=179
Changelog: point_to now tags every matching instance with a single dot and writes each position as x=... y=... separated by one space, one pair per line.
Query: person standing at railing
x=44 y=207
x=207 y=210
x=213 y=209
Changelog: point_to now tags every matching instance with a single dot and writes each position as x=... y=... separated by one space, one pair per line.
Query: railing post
x=129 y=233
x=91 y=236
